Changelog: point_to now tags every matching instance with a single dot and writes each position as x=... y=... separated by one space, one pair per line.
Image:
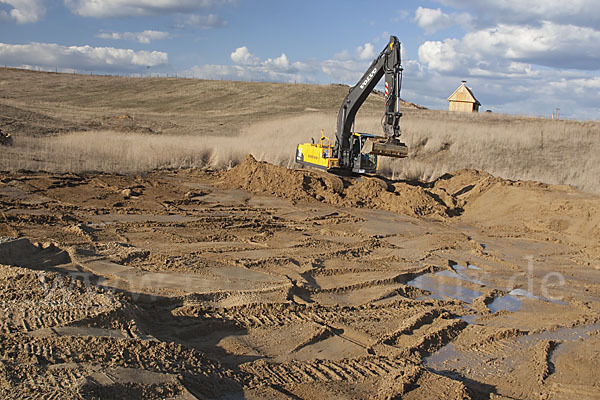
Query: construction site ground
x=264 y=282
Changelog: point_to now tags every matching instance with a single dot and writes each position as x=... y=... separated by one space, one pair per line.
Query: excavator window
x=356 y=145
x=362 y=161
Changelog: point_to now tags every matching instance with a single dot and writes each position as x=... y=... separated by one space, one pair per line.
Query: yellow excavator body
x=321 y=155
x=318 y=155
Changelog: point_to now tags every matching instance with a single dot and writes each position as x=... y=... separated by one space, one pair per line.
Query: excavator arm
x=388 y=63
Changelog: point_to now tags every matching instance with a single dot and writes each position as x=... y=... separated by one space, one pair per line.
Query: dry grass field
x=94 y=123
x=146 y=254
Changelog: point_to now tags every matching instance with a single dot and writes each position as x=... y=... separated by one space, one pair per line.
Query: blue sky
x=518 y=57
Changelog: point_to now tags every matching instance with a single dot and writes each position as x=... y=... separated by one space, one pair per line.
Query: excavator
x=5 y=139
x=356 y=152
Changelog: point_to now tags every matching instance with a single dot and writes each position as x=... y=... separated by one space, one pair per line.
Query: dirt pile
x=555 y=213
x=262 y=177
x=464 y=184
x=397 y=197
x=368 y=192
x=445 y=196
x=476 y=196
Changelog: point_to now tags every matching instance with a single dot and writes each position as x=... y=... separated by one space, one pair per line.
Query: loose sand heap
x=475 y=195
x=366 y=192
x=263 y=282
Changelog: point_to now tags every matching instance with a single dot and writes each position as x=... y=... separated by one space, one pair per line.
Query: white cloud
x=519 y=88
x=366 y=52
x=203 y=21
x=280 y=63
x=441 y=56
x=242 y=56
x=250 y=67
x=348 y=67
x=500 y=83
x=144 y=37
x=342 y=55
x=249 y=73
x=101 y=59
x=518 y=58
x=24 y=11
x=210 y=71
x=343 y=71
x=549 y=45
x=128 y=8
x=578 y=12
x=433 y=20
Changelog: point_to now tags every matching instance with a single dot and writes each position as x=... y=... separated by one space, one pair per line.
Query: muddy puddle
x=513 y=301
x=447 y=284
x=508 y=303
x=442 y=290
x=463 y=283
x=451 y=357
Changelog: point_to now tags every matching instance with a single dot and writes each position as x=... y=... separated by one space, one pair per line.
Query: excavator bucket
x=382 y=147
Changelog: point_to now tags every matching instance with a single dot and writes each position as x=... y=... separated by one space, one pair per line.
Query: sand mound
x=398 y=197
x=369 y=192
x=478 y=197
x=262 y=177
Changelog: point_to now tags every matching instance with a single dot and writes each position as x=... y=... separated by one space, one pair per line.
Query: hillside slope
x=36 y=103
x=175 y=122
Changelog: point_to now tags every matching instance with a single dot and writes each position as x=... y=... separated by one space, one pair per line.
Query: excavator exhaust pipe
x=382 y=147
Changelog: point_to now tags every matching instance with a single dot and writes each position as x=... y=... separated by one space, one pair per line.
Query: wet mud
x=263 y=282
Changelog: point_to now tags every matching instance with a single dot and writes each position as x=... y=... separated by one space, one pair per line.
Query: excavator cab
x=362 y=163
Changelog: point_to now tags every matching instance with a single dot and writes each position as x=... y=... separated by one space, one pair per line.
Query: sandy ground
x=262 y=282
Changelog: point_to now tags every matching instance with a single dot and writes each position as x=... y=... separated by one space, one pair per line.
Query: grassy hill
x=35 y=103
x=64 y=122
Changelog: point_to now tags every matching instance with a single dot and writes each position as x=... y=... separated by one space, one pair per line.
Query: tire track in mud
x=29 y=381
x=37 y=359
x=32 y=300
x=542 y=362
x=111 y=352
x=399 y=278
x=149 y=355
x=348 y=370
x=410 y=325
x=423 y=333
x=258 y=315
x=441 y=332
x=572 y=391
x=490 y=340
